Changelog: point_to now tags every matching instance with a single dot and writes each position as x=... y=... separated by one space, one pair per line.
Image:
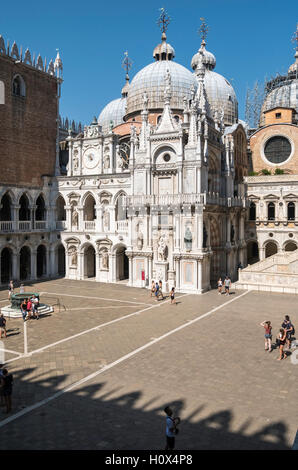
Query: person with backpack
x=6 y=386
x=289 y=327
x=171 y=428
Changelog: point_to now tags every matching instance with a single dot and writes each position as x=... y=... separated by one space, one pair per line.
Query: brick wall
x=27 y=125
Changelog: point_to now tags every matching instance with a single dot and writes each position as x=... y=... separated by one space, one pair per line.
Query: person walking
x=219 y=286
x=156 y=290
x=227 y=285
x=268 y=335
x=172 y=295
x=2 y=326
x=35 y=303
x=160 y=290
x=289 y=327
x=281 y=342
x=171 y=428
x=24 y=309
x=152 y=288
x=7 y=382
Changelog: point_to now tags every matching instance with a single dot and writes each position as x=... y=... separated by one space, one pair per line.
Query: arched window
x=271 y=211
x=18 y=86
x=40 y=213
x=5 y=208
x=60 y=207
x=252 y=211
x=120 y=213
x=89 y=208
x=291 y=211
x=24 y=212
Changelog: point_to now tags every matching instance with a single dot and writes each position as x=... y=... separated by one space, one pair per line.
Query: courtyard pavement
x=99 y=373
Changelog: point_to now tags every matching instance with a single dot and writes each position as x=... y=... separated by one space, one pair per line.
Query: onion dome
x=164 y=51
x=209 y=59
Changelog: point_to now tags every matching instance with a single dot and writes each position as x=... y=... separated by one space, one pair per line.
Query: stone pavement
x=229 y=392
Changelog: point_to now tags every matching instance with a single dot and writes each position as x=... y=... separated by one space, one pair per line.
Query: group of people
x=6 y=383
x=283 y=339
x=156 y=289
x=29 y=308
x=226 y=283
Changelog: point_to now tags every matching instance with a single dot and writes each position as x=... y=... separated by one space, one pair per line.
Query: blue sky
x=251 y=39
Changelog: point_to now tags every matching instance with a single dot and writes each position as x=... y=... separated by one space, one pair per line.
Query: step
x=9 y=312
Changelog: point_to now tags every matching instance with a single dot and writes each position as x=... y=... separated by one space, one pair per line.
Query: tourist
x=171 y=429
x=288 y=326
x=160 y=290
x=22 y=289
x=281 y=343
x=156 y=290
x=152 y=288
x=24 y=309
x=2 y=325
x=10 y=289
x=172 y=295
x=227 y=285
x=6 y=382
x=219 y=286
x=29 y=308
x=35 y=303
x=268 y=335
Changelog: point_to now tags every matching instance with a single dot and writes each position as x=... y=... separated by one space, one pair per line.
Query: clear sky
x=251 y=39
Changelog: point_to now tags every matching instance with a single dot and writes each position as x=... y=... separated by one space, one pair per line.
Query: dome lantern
x=163 y=51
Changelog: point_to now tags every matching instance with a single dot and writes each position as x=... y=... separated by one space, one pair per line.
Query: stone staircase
x=9 y=312
x=277 y=273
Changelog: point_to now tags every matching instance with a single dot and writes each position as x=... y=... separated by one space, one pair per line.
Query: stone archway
x=122 y=264
x=290 y=246
x=89 y=262
x=270 y=249
x=25 y=263
x=6 y=265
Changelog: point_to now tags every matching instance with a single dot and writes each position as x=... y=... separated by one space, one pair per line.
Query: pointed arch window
x=271 y=211
x=291 y=211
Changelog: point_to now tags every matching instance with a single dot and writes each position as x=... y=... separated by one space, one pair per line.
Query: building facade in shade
x=154 y=187
x=272 y=225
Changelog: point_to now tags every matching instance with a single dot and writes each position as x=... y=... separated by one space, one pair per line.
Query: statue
x=106 y=220
x=106 y=162
x=162 y=248
x=73 y=256
x=188 y=239
x=75 y=218
x=75 y=160
x=140 y=240
x=105 y=260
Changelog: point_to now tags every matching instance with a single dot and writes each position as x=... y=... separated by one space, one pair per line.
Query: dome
x=152 y=79
x=209 y=59
x=114 y=111
x=221 y=95
x=294 y=67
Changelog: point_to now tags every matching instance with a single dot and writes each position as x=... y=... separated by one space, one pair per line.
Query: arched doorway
x=6 y=265
x=252 y=252
x=271 y=249
x=25 y=263
x=61 y=260
x=122 y=264
x=291 y=246
x=41 y=261
x=89 y=262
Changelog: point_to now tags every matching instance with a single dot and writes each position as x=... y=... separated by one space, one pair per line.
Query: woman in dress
x=219 y=286
x=281 y=340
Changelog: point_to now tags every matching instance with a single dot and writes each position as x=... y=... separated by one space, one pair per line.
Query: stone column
x=15 y=266
x=130 y=269
x=53 y=271
x=33 y=264
x=113 y=224
x=98 y=220
x=97 y=265
x=200 y=276
x=80 y=268
x=48 y=264
x=81 y=222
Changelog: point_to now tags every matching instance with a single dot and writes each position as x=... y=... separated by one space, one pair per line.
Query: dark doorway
x=252 y=252
x=6 y=265
x=126 y=267
x=41 y=261
x=25 y=263
x=89 y=262
x=61 y=260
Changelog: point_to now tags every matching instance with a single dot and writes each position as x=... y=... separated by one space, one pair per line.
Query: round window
x=167 y=157
x=277 y=149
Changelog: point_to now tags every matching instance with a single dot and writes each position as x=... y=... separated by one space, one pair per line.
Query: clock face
x=90 y=159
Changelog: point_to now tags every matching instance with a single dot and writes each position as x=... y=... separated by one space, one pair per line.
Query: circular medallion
x=90 y=159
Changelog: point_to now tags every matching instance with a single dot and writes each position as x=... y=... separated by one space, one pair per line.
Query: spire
x=294 y=67
x=58 y=65
x=208 y=58
x=163 y=51
x=167 y=123
x=126 y=65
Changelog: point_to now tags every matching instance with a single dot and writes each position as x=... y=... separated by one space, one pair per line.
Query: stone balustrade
x=193 y=198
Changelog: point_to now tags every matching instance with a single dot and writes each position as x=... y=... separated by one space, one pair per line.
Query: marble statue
x=188 y=239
